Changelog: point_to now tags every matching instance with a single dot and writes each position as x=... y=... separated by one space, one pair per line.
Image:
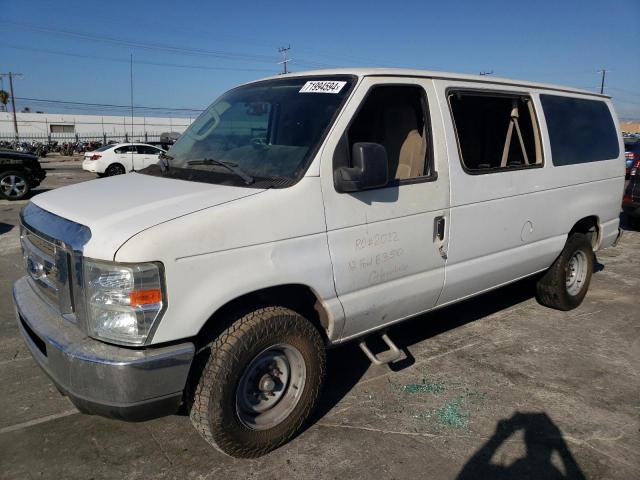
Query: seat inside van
x=394 y=117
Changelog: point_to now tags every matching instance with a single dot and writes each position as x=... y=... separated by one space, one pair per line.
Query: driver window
x=396 y=117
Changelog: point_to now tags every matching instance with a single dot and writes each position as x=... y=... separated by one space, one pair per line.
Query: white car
x=300 y=212
x=120 y=158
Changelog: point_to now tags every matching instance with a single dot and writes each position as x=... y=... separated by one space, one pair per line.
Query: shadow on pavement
x=33 y=193
x=542 y=438
x=5 y=227
x=347 y=364
x=628 y=223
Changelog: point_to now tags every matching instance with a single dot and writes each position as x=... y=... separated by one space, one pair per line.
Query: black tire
x=552 y=288
x=214 y=408
x=14 y=185
x=114 y=169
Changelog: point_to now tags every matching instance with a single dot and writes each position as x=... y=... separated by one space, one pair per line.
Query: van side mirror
x=370 y=169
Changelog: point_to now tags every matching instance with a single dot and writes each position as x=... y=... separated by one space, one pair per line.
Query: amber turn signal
x=145 y=297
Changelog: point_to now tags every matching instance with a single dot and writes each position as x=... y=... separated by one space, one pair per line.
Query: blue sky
x=61 y=49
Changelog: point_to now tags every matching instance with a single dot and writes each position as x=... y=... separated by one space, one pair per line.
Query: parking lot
x=495 y=387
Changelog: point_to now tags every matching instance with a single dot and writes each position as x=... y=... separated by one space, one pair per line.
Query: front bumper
x=116 y=382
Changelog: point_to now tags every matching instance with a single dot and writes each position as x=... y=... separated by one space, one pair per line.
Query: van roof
x=405 y=72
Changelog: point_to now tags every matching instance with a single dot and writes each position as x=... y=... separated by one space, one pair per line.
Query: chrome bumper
x=124 y=383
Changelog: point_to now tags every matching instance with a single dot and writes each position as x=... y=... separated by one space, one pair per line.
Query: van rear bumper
x=116 y=382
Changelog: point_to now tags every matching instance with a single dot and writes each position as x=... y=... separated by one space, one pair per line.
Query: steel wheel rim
x=577 y=268
x=270 y=387
x=13 y=186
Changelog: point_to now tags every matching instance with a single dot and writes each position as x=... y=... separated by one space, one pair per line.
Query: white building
x=41 y=126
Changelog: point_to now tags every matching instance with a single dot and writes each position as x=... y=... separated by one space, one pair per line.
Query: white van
x=302 y=211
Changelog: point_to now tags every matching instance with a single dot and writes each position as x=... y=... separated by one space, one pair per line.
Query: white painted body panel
x=117 y=208
x=507 y=225
x=387 y=264
x=218 y=254
x=369 y=257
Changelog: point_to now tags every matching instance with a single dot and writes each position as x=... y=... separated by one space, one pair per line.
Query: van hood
x=117 y=208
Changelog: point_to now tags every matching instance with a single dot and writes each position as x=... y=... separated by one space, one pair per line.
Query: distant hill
x=631 y=127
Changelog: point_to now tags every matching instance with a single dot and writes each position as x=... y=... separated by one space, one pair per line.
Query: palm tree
x=4 y=99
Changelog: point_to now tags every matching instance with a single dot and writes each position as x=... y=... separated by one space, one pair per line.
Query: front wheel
x=565 y=284
x=13 y=185
x=260 y=382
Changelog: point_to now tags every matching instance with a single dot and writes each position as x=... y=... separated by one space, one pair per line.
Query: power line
x=145 y=45
x=137 y=62
x=627 y=92
x=140 y=107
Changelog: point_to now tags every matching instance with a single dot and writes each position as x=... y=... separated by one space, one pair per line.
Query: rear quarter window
x=580 y=130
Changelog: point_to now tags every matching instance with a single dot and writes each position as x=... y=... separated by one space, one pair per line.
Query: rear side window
x=147 y=150
x=126 y=149
x=580 y=131
x=496 y=132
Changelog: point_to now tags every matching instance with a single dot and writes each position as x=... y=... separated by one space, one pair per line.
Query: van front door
x=388 y=245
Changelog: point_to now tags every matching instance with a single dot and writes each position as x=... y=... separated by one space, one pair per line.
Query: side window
x=147 y=150
x=125 y=149
x=580 y=130
x=396 y=117
x=496 y=132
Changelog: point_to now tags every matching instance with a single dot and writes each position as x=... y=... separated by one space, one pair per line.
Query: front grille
x=47 y=264
x=52 y=250
x=43 y=245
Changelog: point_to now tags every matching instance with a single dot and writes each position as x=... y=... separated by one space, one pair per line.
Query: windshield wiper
x=164 y=158
x=248 y=179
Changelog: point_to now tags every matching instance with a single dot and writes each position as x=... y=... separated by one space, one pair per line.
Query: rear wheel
x=260 y=382
x=13 y=185
x=114 y=169
x=565 y=284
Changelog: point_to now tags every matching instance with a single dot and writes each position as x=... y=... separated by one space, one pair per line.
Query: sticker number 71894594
x=322 y=86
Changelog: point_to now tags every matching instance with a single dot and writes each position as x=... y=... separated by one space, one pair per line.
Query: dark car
x=631 y=153
x=19 y=173
x=631 y=199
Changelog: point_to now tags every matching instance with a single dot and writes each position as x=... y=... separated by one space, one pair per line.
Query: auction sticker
x=322 y=86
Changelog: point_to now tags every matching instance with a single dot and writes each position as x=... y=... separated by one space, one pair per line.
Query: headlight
x=123 y=301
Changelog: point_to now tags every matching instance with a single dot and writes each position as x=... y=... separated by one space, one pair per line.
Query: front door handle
x=438 y=228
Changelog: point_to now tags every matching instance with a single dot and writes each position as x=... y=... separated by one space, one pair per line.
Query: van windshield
x=260 y=135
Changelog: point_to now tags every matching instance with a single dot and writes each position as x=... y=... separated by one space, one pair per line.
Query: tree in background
x=4 y=99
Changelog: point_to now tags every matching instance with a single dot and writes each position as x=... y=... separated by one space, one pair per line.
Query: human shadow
x=542 y=438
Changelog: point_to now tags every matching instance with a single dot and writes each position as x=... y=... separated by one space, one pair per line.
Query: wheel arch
x=589 y=226
x=298 y=297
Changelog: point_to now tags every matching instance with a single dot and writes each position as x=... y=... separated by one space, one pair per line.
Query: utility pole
x=285 y=60
x=132 y=97
x=13 y=100
x=604 y=73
